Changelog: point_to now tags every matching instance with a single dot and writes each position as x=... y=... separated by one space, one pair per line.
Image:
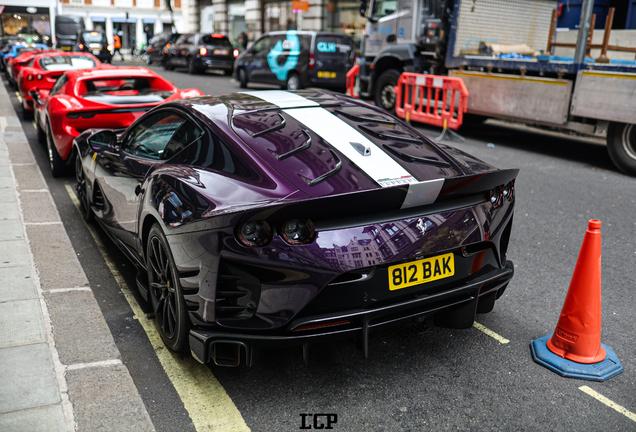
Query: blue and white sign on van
x=328 y=47
x=292 y=44
x=401 y=33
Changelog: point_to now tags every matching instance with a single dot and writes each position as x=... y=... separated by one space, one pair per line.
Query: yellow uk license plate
x=325 y=74
x=66 y=48
x=422 y=271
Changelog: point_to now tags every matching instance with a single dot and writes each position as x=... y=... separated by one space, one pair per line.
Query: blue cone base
x=600 y=371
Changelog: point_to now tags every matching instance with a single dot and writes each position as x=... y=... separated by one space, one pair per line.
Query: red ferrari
x=15 y=64
x=44 y=69
x=99 y=98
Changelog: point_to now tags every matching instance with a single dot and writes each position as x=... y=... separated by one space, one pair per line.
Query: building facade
x=139 y=20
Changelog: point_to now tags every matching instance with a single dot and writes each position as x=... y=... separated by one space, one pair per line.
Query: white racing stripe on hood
x=361 y=151
x=282 y=99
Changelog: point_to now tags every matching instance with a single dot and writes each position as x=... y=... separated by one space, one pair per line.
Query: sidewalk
x=60 y=369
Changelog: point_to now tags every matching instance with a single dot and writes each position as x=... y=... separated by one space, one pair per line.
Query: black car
x=158 y=44
x=270 y=218
x=66 y=28
x=200 y=51
x=94 y=42
x=296 y=59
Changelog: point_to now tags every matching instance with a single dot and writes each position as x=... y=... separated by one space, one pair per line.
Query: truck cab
x=401 y=36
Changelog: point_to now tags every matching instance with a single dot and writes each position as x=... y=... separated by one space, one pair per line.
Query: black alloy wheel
x=81 y=188
x=57 y=164
x=166 y=295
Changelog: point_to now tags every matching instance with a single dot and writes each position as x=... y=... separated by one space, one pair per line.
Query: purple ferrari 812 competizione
x=270 y=218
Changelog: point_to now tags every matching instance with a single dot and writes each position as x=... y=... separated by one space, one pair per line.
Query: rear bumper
x=455 y=307
x=212 y=63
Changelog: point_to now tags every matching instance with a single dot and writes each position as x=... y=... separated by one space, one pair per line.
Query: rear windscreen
x=59 y=63
x=333 y=46
x=124 y=90
x=93 y=37
x=67 y=28
x=222 y=42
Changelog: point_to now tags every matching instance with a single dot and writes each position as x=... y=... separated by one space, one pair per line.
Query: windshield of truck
x=383 y=8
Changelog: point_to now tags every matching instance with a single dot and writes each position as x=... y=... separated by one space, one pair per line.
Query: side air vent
x=98 y=198
x=237 y=293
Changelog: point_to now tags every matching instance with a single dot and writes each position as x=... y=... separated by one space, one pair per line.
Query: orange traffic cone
x=575 y=349
x=577 y=336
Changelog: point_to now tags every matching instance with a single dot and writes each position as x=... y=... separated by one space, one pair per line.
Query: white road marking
x=490 y=333
x=599 y=397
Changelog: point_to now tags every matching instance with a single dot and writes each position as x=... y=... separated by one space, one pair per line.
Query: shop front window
x=278 y=16
x=344 y=16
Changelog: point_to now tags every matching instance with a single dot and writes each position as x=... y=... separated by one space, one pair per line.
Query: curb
x=81 y=370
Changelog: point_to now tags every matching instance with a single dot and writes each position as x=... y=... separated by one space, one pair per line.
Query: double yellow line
x=209 y=406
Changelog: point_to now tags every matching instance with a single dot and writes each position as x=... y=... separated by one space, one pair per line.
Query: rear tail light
x=496 y=197
x=39 y=76
x=151 y=49
x=312 y=61
x=81 y=46
x=168 y=45
x=236 y=53
x=29 y=77
x=509 y=190
x=298 y=231
x=217 y=36
x=254 y=233
x=165 y=52
x=203 y=51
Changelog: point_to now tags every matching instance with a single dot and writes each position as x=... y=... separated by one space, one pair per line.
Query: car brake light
x=166 y=52
x=312 y=61
x=29 y=77
x=151 y=49
x=81 y=46
x=39 y=76
x=298 y=231
x=254 y=233
x=236 y=53
x=203 y=51
x=217 y=36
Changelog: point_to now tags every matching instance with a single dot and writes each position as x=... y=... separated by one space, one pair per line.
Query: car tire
x=242 y=75
x=621 y=146
x=41 y=132
x=384 y=90
x=293 y=82
x=192 y=69
x=166 y=294
x=57 y=164
x=26 y=114
x=81 y=188
x=167 y=66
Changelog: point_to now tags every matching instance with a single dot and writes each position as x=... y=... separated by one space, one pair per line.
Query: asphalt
x=59 y=366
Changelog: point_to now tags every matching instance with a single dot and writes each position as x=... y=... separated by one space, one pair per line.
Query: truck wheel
x=384 y=92
x=621 y=146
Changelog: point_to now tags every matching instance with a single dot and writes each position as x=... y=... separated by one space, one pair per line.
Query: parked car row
x=290 y=59
x=69 y=92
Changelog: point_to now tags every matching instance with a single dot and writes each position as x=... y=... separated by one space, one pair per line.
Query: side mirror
x=35 y=94
x=104 y=139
